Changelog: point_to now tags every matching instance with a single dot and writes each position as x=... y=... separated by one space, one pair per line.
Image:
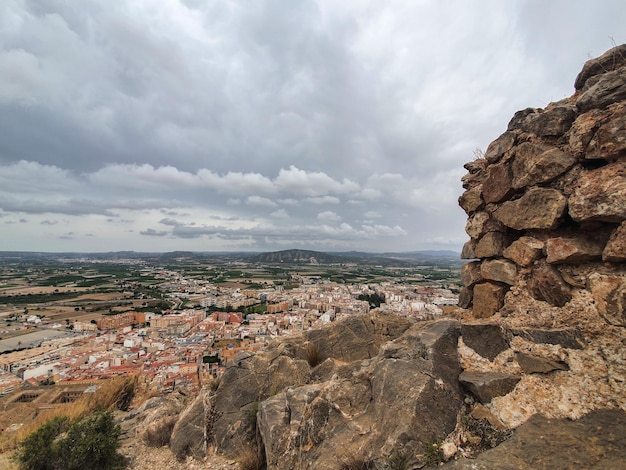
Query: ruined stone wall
x=546 y=204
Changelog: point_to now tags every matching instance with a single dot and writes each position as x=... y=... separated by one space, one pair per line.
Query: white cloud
x=328 y=216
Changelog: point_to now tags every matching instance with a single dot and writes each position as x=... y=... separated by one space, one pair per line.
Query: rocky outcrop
x=545 y=290
x=383 y=387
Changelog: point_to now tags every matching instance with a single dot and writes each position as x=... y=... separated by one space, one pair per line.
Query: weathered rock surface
x=538 y=208
x=537 y=164
x=601 y=194
x=538 y=365
x=499 y=270
x=487 y=339
x=596 y=441
x=415 y=377
x=524 y=250
x=487 y=385
x=615 y=249
x=188 y=433
x=488 y=299
x=556 y=181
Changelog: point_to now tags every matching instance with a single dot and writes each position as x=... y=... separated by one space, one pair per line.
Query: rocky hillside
x=531 y=373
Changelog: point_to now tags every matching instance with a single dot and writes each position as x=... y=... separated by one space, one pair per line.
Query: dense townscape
x=76 y=321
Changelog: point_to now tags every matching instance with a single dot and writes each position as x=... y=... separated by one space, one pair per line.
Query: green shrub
x=88 y=443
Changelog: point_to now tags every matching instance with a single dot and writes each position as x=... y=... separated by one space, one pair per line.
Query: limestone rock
x=594 y=441
x=188 y=433
x=534 y=165
x=499 y=147
x=611 y=60
x=566 y=337
x=487 y=385
x=602 y=90
x=491 y=245
x=538 y=208
x=414 y=377
x=524 y=250
x=471 y=273
x=575 y=248
x=615 y=249
x=609 y=293
x=538 y=365
x=547 y=284
x=499 y=270
x=497 y=187
x=471 y=200
x=487 y=339
x=600 y=194
x=488 y=299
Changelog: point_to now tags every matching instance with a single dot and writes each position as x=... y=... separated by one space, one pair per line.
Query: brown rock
x=491 y=245
x=470 y=273
x=538 y=365
x=488 y=385
x=488 y=299
x=602 y=90
x=582 y=132
x=609 y=294
x=499 y=147
x=547 y=284
x=468 y=251
x=471 y=200
x=487 y=339
x=465 y=298
x=497 y=186
x=554 y=121
x=534 y=165
x=524 y=250
x=519 y=117
x=538 y=208
x=480 y=223
x=600 y=194
x=476 y=173
x=615 y=249
x=607 y=62
x=609 y=141
x=575 y=248
x=499 y=270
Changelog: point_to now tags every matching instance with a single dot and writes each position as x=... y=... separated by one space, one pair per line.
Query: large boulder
x=399 y=401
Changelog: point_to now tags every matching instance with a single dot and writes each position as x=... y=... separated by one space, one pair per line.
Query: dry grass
x=115 y=393
x=313 y=355
x=251 y=458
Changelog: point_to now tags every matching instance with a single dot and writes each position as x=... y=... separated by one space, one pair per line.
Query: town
x=174 y=322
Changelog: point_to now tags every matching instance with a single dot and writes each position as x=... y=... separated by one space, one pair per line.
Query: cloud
x=233 y=124
x=328 y=216
x=154 y=233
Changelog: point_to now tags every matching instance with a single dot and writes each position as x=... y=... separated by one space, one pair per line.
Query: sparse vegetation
x=252 y=458
x=355 y=462
x=433 y=454
x=159 y=435
x=313 y=355
x=89 y=443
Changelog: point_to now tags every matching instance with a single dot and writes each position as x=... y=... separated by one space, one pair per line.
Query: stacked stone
x=546 y=204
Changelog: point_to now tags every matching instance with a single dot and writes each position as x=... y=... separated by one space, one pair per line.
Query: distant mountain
x=299 y=256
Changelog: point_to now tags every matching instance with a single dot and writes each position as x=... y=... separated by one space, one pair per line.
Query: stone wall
x=543 y=307
x=546 y=204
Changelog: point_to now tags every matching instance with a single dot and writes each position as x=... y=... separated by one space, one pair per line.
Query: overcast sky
x=212 y=125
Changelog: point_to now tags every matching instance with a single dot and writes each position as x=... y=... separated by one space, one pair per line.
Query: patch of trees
x=373 y=299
